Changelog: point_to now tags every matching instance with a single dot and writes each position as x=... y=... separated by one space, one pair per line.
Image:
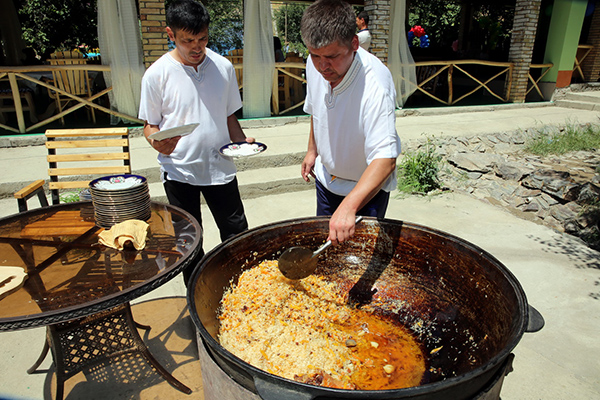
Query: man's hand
x=341 y=226
x=308 y=165
x=165 y=146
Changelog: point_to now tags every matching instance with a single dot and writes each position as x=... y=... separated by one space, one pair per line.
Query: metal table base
x=86 y=342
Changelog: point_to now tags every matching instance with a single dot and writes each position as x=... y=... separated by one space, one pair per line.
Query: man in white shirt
x=353 y=144
x=364 y=36
x=192 y=84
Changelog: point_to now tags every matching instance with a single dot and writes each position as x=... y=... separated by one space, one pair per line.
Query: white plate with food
x=173 y=132
x=242 y=149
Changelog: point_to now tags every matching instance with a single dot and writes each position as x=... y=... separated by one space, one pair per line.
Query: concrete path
x=559 y=274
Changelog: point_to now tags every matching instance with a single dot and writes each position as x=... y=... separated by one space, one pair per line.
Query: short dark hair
x=327 y=21
x=187 y=15
x=363 y=15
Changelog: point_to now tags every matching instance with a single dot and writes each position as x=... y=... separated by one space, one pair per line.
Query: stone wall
x=379 y=26
x=154 y=36
x=521 y=46
x=560 y=192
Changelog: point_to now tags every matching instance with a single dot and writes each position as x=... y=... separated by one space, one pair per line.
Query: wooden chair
x=75 y=82
x=7 y=103
x=106 y=152
x=67 y=54
x=237 y=57
x=296 y=86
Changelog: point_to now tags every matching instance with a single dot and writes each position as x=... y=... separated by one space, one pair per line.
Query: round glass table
x=73 y=281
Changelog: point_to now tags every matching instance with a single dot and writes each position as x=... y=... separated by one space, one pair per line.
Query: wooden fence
x=429 y=74
x=14 y=74
x=288 y=81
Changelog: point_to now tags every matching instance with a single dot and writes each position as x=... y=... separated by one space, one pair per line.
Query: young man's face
x=360 y=23
x=334 y=60
x=190 y=48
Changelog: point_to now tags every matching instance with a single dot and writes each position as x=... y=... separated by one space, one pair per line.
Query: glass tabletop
x=70 y=274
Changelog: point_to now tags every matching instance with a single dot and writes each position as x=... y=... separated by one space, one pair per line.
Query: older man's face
x=334 y=60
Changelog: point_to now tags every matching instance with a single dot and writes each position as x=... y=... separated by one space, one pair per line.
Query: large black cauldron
x=453 y=295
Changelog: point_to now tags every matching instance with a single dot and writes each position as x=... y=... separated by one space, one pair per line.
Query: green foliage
x=439 y=18
x=572 y=138
x=287 y=25
x=490 y=29
x=418 y=170
x=50 y=25
x=69 y=197
x=287 y=22
x=226 y=24
x=493 y=29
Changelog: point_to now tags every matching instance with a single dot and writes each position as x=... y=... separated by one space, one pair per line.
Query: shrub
x=418 y=171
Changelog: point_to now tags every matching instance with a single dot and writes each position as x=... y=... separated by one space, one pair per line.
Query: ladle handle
x=328 y=243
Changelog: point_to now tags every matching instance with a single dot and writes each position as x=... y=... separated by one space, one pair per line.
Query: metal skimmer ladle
x=299 y=262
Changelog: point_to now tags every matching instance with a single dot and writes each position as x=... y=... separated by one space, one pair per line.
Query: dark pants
x=225 y=205
x=328 y=202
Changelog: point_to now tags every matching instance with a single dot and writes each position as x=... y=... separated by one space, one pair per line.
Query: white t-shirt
x=354 y=124
x=174 y=94
x=364 y=39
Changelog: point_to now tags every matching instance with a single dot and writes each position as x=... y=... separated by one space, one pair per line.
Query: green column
x=563 y=38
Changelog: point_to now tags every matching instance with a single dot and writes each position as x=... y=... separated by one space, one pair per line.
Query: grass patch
x=418 y=172
x=572 y=138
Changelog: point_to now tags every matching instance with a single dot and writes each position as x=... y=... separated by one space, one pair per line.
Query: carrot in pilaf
x=304 y=330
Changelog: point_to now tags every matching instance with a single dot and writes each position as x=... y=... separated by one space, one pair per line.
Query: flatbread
x=132 y=230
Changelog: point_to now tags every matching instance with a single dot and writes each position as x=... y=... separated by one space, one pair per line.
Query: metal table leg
x=83 y=343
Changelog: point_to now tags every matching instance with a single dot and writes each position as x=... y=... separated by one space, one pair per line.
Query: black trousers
x=328 y=202
x=223 y=201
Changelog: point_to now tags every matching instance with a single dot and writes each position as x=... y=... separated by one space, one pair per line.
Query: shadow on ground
x=171 y=341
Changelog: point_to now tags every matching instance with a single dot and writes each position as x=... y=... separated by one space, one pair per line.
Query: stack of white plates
x=117 y=198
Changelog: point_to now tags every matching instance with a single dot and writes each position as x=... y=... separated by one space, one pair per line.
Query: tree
x=287 y=23
x=439 y=18
x=49 y=25
x=226 y=24
x=487 y=33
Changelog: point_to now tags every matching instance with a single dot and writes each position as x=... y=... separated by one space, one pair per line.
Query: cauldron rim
x=492 y=365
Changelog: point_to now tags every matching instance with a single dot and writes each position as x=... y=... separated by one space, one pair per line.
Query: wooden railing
x=428 y=80
x=286 y=80
x=450 y=68
x=15 y=74
x=430 y=72
x=286 y=74
x=545 y=68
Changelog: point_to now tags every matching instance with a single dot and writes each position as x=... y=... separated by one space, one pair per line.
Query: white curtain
x=10 y=34
x=400 y=61
x=121 y=47
x=259 y=58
